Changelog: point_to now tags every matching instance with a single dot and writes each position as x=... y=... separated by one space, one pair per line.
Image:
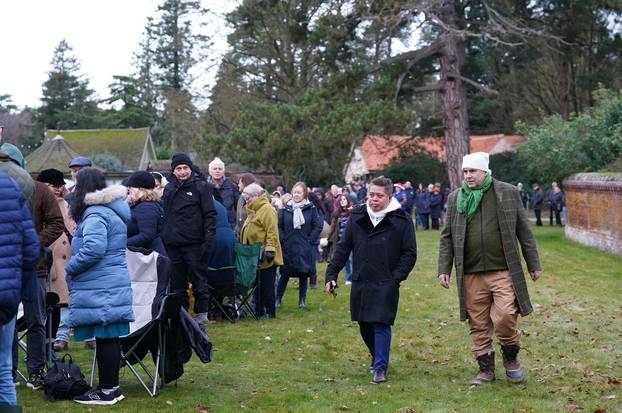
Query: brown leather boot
x=486 y=369
x=513 y=371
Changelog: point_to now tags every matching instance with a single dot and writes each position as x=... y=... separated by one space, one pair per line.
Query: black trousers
x=264 y=294
x=436 y=223
x=538 y=213
x=34 y=314
x=188 y=266
x=108 y=361
x=558 y=220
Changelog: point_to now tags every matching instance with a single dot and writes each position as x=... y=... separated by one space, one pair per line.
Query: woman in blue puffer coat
x=299 y=231
x=100 y=292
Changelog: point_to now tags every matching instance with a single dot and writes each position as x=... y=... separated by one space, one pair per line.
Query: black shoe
x=35 y=380
x=380 y=376
x=98 y=397
x=118 y=395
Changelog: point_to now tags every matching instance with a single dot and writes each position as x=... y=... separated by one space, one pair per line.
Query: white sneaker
x=348 y=282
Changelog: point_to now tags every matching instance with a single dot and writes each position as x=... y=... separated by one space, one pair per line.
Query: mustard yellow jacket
x=261 y=227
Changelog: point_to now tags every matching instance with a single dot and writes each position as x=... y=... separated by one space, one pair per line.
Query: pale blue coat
x=100 y=292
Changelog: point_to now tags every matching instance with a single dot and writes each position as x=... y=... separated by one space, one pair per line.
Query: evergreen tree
x=67 y=98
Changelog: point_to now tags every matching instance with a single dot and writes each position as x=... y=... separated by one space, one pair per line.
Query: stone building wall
x=594 y=205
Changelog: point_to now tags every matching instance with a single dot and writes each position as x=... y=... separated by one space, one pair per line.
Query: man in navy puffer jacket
x=19 y=251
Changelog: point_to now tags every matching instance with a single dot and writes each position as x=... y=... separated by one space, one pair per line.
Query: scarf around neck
x=299 y=218
x=470 y=198
x=376 y=217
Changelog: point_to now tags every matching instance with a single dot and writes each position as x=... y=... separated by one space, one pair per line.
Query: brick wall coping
x=594 y=181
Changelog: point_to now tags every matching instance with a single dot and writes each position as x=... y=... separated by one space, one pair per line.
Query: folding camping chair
x=237 y=282
x=51 y=301
x=153 y=307
x=20 y=330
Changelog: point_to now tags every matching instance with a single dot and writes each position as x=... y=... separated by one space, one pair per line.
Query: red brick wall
x=594 y=207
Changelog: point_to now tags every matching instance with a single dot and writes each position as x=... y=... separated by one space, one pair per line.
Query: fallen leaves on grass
x=203 y=409
x=613 y=381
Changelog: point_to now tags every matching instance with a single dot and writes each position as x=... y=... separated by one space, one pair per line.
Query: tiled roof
x=129 y=145
x=379 y=151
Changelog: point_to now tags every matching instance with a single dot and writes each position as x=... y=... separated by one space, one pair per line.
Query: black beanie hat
x=180 y=159
x=51 y=176
x=140 y=179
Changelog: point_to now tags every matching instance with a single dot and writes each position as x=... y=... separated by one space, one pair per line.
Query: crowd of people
x=72 y=241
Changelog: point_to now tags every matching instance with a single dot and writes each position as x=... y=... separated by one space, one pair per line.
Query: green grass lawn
x=313 y=360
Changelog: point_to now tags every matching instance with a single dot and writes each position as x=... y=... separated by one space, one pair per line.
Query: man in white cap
x=228 y=190
x=485 y=218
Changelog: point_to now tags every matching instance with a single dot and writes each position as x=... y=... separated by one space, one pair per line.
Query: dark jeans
x=264 y=294
x=108 y=361
x=425 y=220
x=538 y=214
x=558 y=220
x=188 y=266
x=313 y=275
x=34 y=315
x=377 y=337
x=282 y=285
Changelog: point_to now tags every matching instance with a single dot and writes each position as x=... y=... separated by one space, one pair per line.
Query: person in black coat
x=422 y=207
x=436 y=206
x=228 y=190
x=300 y=225
x=144 y=228
x=382 y=239
x=536 y=203
x=188 y=232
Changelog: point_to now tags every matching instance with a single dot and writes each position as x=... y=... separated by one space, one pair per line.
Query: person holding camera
x=261 y=227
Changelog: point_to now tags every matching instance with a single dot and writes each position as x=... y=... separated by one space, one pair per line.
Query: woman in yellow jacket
x=261 y=226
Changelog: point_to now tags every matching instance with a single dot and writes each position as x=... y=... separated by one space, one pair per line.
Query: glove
x=268 y=256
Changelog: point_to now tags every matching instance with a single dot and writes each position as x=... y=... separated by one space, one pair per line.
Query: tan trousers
x=490 y=304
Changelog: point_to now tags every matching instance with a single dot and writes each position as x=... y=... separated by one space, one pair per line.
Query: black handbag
x=64 y=381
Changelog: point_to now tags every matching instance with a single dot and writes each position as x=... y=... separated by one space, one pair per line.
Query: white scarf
x=376 y=217
x=299 y=218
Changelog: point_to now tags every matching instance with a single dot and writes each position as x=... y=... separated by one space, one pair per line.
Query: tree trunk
x=453 y=96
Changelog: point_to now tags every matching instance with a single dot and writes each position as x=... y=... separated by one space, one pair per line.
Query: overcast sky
x=104 y=34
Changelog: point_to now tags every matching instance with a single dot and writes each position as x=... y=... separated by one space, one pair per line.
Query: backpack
x=64 y=381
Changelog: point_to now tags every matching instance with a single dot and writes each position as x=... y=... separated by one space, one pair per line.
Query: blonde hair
x=142 y=194
x=305 y=190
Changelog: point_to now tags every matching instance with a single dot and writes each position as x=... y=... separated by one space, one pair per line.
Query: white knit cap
x=476 y=160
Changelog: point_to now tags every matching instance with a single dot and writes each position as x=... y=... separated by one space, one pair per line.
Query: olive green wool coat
x=514 y=227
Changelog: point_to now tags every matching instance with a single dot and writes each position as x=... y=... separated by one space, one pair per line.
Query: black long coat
x=382 y=257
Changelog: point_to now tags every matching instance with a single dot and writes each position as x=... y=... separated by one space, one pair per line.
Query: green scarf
x=469 y=198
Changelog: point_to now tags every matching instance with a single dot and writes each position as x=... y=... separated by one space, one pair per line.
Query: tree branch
x=412 y=56
x=473 y=83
